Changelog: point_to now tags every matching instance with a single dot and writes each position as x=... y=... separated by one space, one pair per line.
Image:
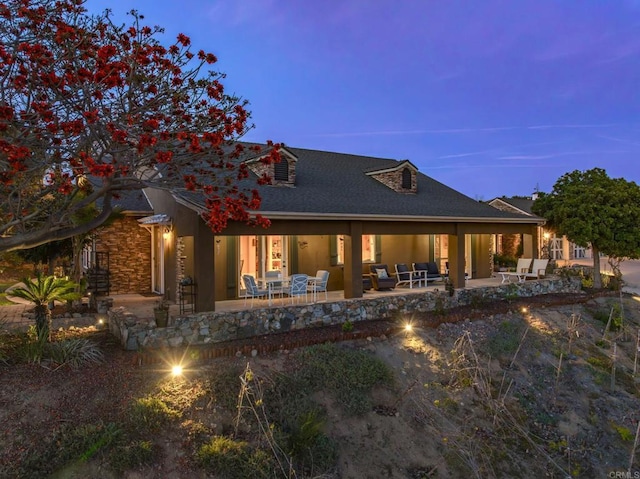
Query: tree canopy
x=82 y=97
x=592 y=209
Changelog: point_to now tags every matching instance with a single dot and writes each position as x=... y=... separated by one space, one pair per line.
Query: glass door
x=275 y=254
x=259 y=254
x=157 y=253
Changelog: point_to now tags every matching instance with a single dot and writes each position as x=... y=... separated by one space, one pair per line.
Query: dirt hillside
x=537 y=391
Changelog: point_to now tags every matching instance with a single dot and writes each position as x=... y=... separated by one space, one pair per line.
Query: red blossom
x=184 y=40
x=164 y=156
x=121 y=102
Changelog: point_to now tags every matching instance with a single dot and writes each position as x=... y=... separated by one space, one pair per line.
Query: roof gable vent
x=400 y=177
x=282 y=173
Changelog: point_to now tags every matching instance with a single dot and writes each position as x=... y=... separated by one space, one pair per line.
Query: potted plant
x=161 y=313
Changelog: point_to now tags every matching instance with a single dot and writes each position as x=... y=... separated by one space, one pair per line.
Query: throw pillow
x=382 y=273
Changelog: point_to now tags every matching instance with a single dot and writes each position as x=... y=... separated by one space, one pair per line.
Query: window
x=406 y=179
x=281 y=170
x=368 y=249
x=87 y=257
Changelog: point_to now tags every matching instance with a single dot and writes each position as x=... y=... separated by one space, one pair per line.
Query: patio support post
x=456 y=258
x=353 y=261
x=529 y=242
x=204 y=268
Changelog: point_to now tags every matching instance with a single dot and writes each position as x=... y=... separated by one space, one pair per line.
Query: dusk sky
x=489 y=97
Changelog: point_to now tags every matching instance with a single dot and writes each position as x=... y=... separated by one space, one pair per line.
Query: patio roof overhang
x=303 y=216
x=155 y=220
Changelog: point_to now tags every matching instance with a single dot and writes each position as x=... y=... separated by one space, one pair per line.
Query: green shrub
x=612 y=310
x=151 y=413
x=225 y=385
x=505 y=339
x=349 y=374
x=74 y=352
x=232 y=459
x=67 y=445
x=624 y=432
x=32 y=349
x=132 y=455
x=506 y=261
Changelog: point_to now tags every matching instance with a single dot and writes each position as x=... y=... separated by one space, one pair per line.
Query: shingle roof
x=336 y=183
x=133 y=202
x=128 y=201
x=523 y=204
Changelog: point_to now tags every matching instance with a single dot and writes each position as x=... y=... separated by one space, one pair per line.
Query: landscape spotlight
x=408 y=327
x=176 y=370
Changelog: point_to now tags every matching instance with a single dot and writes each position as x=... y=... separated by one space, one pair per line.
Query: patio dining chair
x=320 y=284
x=252 y=290
x=298 y=286
x=277 y=288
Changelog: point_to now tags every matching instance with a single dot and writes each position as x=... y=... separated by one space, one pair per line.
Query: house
x=333 y=211
x=549 y=245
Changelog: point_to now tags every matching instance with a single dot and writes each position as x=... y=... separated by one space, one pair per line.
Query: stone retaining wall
x=214 y=327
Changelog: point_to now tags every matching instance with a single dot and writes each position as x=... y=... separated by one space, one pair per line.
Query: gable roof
x=132 y=202
x=336 y=186
x=394 y=165
x=522 y=205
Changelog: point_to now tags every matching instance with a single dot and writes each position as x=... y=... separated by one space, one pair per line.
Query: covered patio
x=142 y=306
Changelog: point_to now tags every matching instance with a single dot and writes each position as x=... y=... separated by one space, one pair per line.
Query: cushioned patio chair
x=538 y=269
x=522 y=269
x=381 y=278
x=430 y=269
x=408 y=277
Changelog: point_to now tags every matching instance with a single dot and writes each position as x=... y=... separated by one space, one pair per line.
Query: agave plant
x=42 y=291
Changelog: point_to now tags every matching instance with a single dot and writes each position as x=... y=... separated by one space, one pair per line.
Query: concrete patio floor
x=142 y=306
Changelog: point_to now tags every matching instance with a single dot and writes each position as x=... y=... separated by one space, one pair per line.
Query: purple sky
x=489 y=97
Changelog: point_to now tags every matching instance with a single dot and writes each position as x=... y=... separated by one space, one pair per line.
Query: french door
x=259 y=254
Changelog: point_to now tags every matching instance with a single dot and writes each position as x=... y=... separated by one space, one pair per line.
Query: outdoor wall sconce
x=167 y=231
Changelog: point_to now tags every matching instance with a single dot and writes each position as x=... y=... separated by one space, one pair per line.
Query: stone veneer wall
x=260 y=169
x=129 y=248
x=393 y=179
x=213 y=327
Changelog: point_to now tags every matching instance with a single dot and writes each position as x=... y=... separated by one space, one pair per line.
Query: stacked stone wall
x=214 y=327
x=129 y=248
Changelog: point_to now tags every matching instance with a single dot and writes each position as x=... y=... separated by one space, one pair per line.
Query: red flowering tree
x=82 y=97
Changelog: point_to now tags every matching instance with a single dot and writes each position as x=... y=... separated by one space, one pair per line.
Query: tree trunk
x=43 y=321
x=76 y=270
x=597 y=277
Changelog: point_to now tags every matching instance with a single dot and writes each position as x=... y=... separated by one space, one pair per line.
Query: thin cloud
x=571 y=125
x=463 y=155
x=619 y=140
x=484 y=165
x=561 y=153
x=462 y=130
x=527 y=157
